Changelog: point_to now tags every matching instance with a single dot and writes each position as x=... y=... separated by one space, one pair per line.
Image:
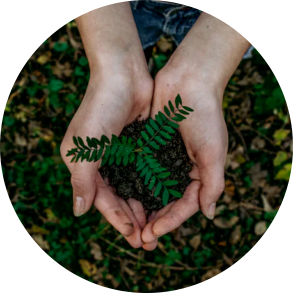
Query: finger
x=182 y=210
x=147 y=233
x=213 y=184
x=135 y=238
x=106 y=202
x=194 y=173
x=138 y=211
x=150 y=246
x=83 y=181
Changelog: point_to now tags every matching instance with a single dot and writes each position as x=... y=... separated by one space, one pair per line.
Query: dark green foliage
x=116 y=151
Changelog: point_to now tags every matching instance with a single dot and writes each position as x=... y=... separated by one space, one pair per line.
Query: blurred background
x=43 y=101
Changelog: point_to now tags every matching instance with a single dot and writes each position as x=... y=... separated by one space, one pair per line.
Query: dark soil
x=127 y=182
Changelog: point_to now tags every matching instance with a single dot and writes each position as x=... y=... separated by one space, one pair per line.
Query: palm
x=205 y=136
x=106 y=111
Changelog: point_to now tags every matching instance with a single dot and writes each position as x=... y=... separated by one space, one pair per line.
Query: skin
x=121 y=90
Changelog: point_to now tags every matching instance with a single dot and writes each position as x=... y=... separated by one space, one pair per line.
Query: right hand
x=114 y=98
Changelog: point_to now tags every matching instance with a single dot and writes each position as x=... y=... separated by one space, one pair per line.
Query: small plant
x=126 y=151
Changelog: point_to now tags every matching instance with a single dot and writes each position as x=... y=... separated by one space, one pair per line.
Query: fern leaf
x=154 y=145
x=79 y=155
x=152 y=182
x=154 y=124
x=96 y=142
x=120 y=150
x=115 y=139
x=86 y=156
x=165 y=197
x=144 y=171
x=71 y=152
x=139 y=142
x=183 y=112
x=187 y=109
x=159 y=170
x=114 y=149
x=146 y=150
x=158 y=189
x=170 y=182
x=175 y=193
x=124 y=139
x=169 y=129
x=178 y=101
x=173 y=124
x=140 y=167
x=160 y=140
x=111 y=160
x=105 y=139
x=93 y=155
x=81 y=143
x=89 y=142
x=165 y=134
x=100 y=153
x=147 y=177
x=118 y=160
x=171 y=106
x=145 y=136
x=167 y=111
x=125 y=160
x=163 y=117
x=75 y=141
x=150 y=130
x=164 y=175
x=159 y=120
x=131 y=158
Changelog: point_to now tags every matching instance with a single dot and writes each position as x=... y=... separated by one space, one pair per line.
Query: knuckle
x=78 y=184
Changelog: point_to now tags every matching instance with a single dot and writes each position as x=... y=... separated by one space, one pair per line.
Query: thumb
x=213 y=184
x=83 y=181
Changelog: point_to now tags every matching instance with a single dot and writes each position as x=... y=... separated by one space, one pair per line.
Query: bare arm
x=199 y=71
x=119 y=91
x=213 y=48
x=109 y=35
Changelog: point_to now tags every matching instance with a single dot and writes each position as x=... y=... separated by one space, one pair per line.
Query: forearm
x=110 y=36
x=213 y=49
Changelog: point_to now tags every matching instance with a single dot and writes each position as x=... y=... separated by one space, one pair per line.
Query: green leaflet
x=131 y=158
x=165 y=197
x=93 y=155
x=169 y=129
x=145 y=136
x=152 y=183
x=114 y=149
x=100 y=152
x=175 y=193
x=125 y=160
x=160 y=140
x=81 y=143
x=144 y=171
x=173 y=124
x=105 y=139
x=165 y=134
x=154 y=124
x=188 y=109
x=167 y=111
x=158 y=189
x=147 y=177
x=118 y=160
x=154 y=145
x=164 y=175
x=171 y=106
x=150 y=130
x=178 y=101
x=170 y=183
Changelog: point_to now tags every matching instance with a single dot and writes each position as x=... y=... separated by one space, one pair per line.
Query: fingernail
x=211 y=211
x=79 y=206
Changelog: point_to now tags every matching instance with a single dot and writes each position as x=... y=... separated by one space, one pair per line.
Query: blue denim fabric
x=155 y=18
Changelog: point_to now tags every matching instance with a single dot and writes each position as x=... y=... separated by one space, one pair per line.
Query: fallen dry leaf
x=235 y=235
x=195 y=241
x=88 y=268
x=260 y=228
x=224 y=223
x=211 y=277
x=96 y=251
x=40 y=241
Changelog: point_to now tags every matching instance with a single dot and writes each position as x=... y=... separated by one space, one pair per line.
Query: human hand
x=115 y=97
x=205 y=136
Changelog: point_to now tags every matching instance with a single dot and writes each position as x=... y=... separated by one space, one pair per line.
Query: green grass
x=44 y=74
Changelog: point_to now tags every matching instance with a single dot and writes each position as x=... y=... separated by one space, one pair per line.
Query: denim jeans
x=155 y=19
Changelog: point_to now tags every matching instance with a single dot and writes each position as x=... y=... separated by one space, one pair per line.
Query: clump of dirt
x=172 y=156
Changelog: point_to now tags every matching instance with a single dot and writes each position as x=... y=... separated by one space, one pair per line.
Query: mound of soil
x=172 y=156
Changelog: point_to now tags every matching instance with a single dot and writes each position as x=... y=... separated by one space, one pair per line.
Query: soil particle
x=172 y=156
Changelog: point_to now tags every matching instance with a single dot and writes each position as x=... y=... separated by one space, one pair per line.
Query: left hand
x=205 y=136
